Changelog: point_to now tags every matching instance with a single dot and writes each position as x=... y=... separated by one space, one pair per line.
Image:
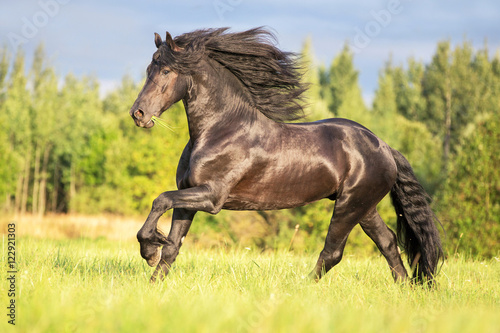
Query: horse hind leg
x=386 y=241
x=343 y=221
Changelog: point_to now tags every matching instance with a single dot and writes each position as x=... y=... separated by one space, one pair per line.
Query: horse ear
x=170 y=42
x=158 y=40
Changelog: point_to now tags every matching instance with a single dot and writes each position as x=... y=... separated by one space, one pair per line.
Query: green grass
x=100 y=285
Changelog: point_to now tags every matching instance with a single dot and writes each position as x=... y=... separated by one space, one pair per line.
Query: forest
x=67 y=150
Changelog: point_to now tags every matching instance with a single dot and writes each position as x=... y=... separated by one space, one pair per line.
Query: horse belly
x=292 y=187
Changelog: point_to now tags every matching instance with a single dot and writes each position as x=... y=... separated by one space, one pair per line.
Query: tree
x=457 y=86
x=79 y=118
x=316 y=106
x=118 y=102
x=346 y=99
x=470 y=200
x=385 y=106
x=438 y=89
x=408 y=88
x=45 y=103
x=4 y=68
x=9 y=163
x=16 y=109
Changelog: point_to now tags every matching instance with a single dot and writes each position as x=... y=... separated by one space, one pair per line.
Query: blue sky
x=111 y=38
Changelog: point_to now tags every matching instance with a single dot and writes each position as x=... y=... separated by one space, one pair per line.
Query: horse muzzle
x=141 y=119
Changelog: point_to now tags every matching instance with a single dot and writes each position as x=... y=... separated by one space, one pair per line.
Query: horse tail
x=416 y=231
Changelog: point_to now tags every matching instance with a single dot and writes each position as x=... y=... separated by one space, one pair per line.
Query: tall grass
x=85 y=285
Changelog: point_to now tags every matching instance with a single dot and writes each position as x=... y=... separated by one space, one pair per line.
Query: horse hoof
x=313 y=277
x=155 y=259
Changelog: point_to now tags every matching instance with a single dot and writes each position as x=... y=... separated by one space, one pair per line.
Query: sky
x=109 y=39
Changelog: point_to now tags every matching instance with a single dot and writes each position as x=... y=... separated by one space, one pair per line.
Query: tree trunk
x=8 y=202
x=447 y=125
x=42 y=197
x=56 y=188
x=72 y=188
x=36 y=180
x=26 y=182
x=19 y=193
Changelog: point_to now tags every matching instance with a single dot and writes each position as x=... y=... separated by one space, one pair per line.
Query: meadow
x=99 y=284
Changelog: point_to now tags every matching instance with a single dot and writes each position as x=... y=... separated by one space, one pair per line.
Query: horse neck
x=217 y=101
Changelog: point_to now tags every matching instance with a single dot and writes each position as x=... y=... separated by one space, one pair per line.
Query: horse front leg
x=151 y=240
x=181 y=221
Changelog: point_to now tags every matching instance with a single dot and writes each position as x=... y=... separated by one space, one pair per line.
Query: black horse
x=238 y=90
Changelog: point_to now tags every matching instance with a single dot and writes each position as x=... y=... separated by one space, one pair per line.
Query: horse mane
x=271 y=77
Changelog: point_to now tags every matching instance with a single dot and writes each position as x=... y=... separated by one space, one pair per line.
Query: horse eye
x=165 y=72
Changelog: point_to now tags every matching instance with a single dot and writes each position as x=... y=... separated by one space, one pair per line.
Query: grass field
x=100 y=285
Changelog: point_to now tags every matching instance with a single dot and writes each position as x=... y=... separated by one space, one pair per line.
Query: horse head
x=163 y=86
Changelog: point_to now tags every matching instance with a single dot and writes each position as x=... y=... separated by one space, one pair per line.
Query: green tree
x=118 y=102
x=438 y=90
x=408 y=88
x=4 y=68
x=385 y=106
x=9 y=163
x=346 y=99
x=470 y=200
x=45 y=104
x=16 y=108
x=457 y=86
x=80 y=117
x=316 y=106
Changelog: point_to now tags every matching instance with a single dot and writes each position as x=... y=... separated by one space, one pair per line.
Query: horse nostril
x=138 y=114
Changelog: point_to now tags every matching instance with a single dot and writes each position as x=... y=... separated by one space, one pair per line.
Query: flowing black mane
x=272 y=77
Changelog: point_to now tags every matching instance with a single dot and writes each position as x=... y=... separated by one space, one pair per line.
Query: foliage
x=67 y=150
x=474 y=183
x=345 y=94
x=317 y=106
